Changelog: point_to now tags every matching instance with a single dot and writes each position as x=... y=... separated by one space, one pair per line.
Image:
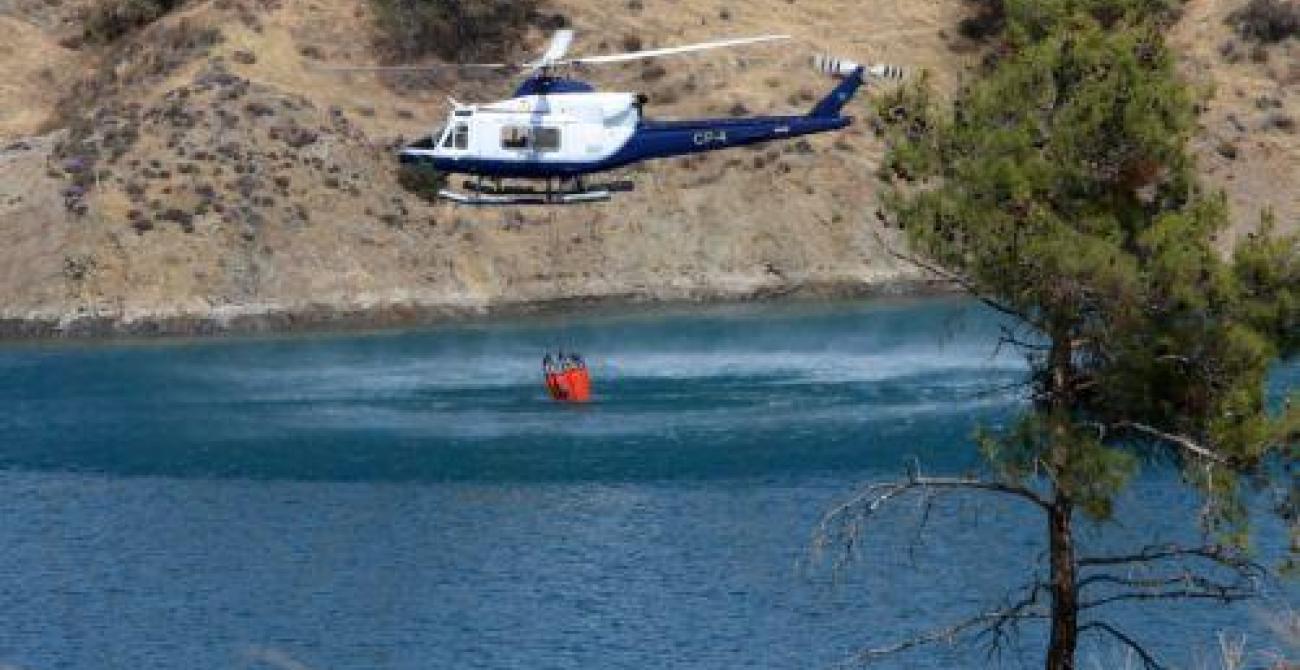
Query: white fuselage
x=555 y=128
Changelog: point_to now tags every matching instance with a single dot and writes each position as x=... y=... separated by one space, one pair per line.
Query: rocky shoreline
x=267 y=319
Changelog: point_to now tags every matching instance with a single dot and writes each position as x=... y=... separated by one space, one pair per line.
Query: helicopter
x=558 y=130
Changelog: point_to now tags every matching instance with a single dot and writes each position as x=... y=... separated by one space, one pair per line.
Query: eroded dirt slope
x=209 y=171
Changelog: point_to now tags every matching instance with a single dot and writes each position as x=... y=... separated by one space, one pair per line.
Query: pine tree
x=1060 y=191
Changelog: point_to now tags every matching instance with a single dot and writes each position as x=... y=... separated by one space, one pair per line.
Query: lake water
x=414 y=500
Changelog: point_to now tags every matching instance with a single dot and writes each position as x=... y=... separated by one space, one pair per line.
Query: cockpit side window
x=434 y=140
x=457 y=137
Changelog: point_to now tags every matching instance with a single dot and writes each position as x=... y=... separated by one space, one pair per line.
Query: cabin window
x=546 y=139
x=526 y=137
x=457 y=137
x=514 y=137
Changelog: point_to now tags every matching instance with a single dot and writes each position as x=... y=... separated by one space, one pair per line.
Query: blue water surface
x=414 y=500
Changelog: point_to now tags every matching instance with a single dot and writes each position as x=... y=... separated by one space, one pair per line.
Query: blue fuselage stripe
x=652 y=139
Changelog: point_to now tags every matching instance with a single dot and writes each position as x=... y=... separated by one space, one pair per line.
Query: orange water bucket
x=579 y=383
x=557 y=383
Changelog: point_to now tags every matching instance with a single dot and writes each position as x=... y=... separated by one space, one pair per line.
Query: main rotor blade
x=414 y=68
x=559 y=46
x=670 y=51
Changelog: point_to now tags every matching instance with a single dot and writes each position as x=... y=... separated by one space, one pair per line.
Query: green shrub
x=989 y=19
x=1035 y=18
x=1267 y=20
x=424 y=183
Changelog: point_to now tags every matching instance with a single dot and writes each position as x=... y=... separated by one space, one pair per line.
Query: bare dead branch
x=1181 y=441
x=1243 y=583
x=947 y=635
x=1225 y=595
x=1009 y=336
x=1002 y=388
x=981 y=485
x=1148 y=660
x=843 y=521
x=1220 y=555
x=1002 y=630
x=927 y=508
x=948 y=275
x=866 y=502
x=1185 y=585
x=1186 y=578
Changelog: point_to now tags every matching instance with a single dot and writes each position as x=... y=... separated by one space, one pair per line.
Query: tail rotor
x=842 y=67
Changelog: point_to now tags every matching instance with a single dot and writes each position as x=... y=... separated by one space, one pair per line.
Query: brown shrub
x=107 y=20
x=472 y=30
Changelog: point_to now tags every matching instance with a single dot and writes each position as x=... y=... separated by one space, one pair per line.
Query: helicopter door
x=536 y=139
x=546 y=139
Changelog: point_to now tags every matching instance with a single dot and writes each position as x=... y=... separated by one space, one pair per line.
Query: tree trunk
x=1065 y=588
x=1065 y=582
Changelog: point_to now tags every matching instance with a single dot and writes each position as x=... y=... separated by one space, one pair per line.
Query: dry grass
x=36 y=68
x=1264 y=171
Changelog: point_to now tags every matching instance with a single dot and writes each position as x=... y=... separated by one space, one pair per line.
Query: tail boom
x=855 y=75
x=673 y=138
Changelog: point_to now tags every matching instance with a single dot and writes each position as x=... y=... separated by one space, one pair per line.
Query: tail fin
x=854 y=76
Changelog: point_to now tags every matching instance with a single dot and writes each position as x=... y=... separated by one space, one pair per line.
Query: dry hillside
x=1249 y=142
x=206 y=172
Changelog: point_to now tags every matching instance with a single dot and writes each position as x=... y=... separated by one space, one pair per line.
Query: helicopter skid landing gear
x=557 y=198
x=497 y=194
